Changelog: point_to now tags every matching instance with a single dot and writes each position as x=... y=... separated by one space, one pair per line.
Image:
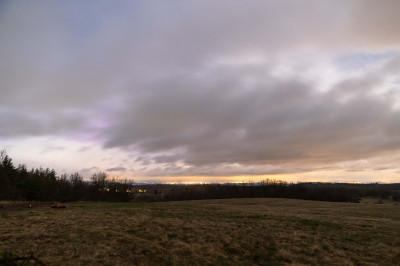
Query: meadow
x=254 y=231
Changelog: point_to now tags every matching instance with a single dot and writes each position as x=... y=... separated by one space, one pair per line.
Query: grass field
x=209 y=232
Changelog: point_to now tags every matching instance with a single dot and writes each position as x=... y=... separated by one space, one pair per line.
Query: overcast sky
x=203 y=91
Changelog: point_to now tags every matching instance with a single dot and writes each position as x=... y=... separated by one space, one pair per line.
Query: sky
x=203 y=91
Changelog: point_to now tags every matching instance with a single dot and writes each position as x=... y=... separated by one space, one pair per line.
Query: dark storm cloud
x=193 y=85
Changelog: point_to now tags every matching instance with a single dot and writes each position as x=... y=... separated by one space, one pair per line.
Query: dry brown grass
x=210 y=232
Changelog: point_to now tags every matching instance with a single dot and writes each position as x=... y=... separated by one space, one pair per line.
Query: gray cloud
x=116 y=169
x=204 y=87
x=272 y=123
x=87 y=171
x=19 y=123
x=51 y=149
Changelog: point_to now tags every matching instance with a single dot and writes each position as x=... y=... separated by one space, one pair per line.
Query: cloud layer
x=206 y=88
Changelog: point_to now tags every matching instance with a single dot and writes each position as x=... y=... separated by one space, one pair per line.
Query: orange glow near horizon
x=320 y=176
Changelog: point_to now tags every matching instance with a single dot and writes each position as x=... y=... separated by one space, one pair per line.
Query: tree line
x=38 y=184
x=280 y=189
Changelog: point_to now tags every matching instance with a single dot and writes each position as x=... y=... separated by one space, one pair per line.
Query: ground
x=209 y=232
